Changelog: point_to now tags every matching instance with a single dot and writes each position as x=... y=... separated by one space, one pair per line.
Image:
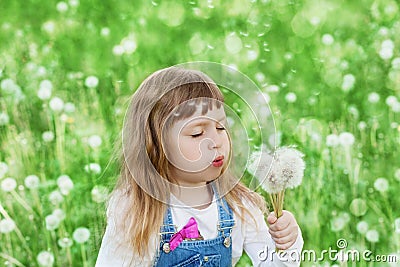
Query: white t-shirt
x=254 y=239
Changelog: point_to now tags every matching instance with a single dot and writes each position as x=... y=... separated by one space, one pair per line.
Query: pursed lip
x=218 y=158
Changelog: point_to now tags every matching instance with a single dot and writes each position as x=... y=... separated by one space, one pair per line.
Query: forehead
x=214 y=114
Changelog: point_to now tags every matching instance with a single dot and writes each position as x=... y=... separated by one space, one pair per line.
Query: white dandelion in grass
x=4 y=118
x=65 y=242
x=397 y=174
x=118 y=50
x=92 y=81
x=390 y=100
x=45 y=259
x=290 y=97
x=373 y=97
x=327 y=39
x=73 y=3
x=372 y=236
x=56 y=198
x=81 y=235
x=362 y=227
x=381 y=184
x=276 y=172
x=362 y=125
x=69 y=107
x=348 y=82
x=65 y=184
x=338 y=223
x=358 y=207
x=32 y=182
x=94 y=141
x=3 y=169
x=48 y=136
x=99 y=193
x=7 y=225
x=59 y=213
x=105 y=32
x=45 y=88
x=332 y=140
x=129 y=44
x=346 y=139
x=397 y=225
x=92 y=168
x=52 y=222
x=56 y=104
x=8 y=184
x=62 y=7
x=386 y=51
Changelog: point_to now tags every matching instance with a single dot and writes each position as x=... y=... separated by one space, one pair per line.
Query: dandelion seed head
x=129 y=45
x=4 y=118
x=93 y=168
x=118 y=50
x=94 y=141
x=396 y=63
x=373 y=97
x=49 y=27
x=327 y=39
x=91 y=81
x=62 y=7
x=396 y=107
x=8 y=184
x=372 y=236
x=397 y=225
x=81 y=235
x=73 y=3
x=391 y=100
x=56 y=198
x=362 y=227
x=9 y=87
x=65 y=184
x=69 y=107
x=290 y=97
x=292 y=166
x=273 y=88
x=332 y=140
x=48 y=136
x=381 y=184
x=65 y=242
x=99 y=194
x=32 y=181
x=358 y=207
x=397 y=174
x=59 y=213
x=3 y=169
x=52 y=222
x=105 y=32
x=346 y=139
x=56 y=104
x=337 y=224
x=233 y=43
x=362 y=125
x=45 y=259
x=348 y=82
x=7 y=226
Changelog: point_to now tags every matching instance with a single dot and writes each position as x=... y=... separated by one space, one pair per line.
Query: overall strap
x=226 y=221
x=168 y=228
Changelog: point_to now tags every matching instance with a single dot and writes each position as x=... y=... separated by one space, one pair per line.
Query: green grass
x=305 y=47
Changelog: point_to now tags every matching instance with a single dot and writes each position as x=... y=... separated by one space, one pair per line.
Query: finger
x=280 y=224
x=285 y=245
x=271 y=219
x=284 y=238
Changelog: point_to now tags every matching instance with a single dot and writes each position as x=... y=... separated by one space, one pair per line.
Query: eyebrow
x=204 y=121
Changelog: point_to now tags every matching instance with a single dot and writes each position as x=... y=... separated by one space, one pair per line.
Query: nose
x=216 y=140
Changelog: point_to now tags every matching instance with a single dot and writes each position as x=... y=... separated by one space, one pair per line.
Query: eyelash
x=199 y=134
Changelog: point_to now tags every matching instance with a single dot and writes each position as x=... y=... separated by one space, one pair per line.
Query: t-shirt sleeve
x=113 y=251
x=260 y=247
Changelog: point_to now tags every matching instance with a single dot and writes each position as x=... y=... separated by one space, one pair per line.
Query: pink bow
x=190 y=230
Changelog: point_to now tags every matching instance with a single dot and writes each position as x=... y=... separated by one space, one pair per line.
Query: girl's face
x=198 y=147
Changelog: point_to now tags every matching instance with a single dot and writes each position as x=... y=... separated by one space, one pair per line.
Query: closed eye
x=196 y=135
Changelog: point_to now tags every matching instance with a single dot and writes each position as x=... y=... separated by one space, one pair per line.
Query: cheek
x=190 y=150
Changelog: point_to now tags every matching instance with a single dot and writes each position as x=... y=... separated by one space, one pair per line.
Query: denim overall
x=215 y=252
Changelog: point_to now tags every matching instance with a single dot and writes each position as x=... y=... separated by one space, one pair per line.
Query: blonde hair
x=143 y=161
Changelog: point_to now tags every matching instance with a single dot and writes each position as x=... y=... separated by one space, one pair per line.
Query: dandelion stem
x=83 y=252
x=21 y=201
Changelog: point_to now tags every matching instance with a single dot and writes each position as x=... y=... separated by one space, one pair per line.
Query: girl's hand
x=283 y=230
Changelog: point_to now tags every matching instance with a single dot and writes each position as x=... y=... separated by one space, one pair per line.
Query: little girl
x=176 y=203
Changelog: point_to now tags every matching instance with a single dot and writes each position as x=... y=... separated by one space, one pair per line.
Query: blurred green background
x=67 y=69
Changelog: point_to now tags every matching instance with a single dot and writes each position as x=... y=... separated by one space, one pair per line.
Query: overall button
x=205 y=258
x=166 y=248
x=227 y=242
